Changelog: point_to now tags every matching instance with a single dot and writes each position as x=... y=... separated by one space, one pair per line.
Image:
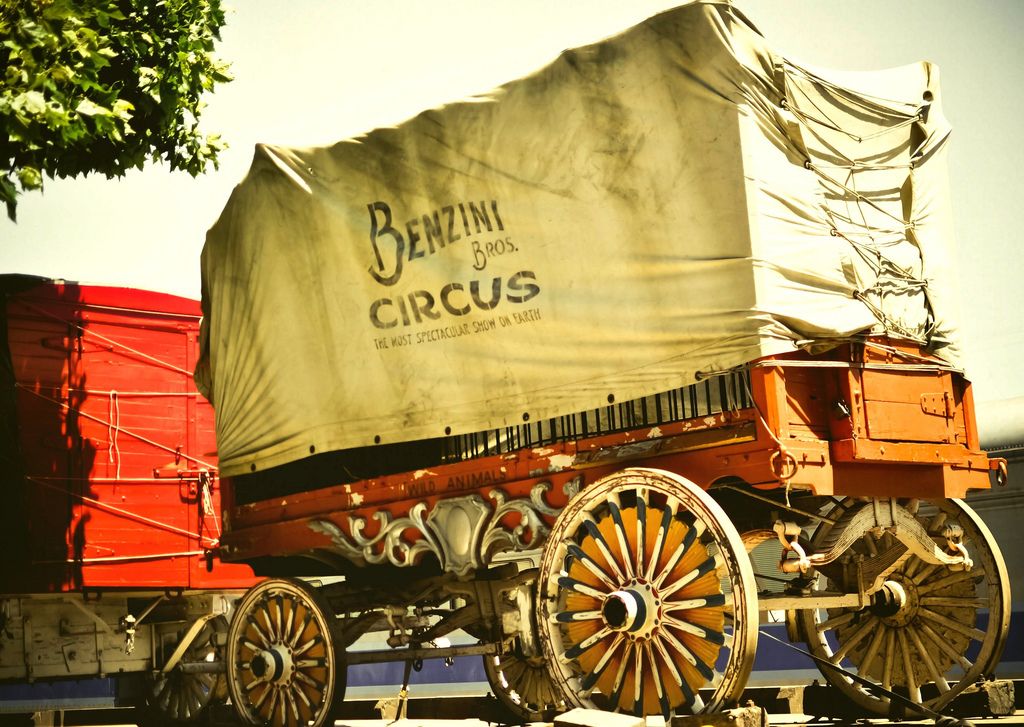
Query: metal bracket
x=186 y=641
x=940 y=404
x=885 y=515
x=788 y=532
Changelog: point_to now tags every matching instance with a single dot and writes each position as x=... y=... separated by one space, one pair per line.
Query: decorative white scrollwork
x=464 y=533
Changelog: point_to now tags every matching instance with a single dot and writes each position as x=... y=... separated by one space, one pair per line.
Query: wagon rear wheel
x=523 y=685
x=178 y=698
x=646 y=596
x=931 y=631
x=283 y=661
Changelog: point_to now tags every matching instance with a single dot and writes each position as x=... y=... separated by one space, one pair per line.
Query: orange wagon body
x=872 y=419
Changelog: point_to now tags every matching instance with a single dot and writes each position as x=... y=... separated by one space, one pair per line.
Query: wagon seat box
x=111 y=514
x=589 y=372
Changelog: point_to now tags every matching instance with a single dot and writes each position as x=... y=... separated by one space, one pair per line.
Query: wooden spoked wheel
x=178 y=697
x=646 y=596
x=931 y=631
x=282 y=665
x=523 y=685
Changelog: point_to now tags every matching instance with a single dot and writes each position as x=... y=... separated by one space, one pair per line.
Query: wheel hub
x=896 y=603
x=635 y=610
x=273 y=665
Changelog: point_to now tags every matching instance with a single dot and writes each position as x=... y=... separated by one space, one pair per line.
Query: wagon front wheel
x=646 y=597
x=931 y=631
x=283 y=666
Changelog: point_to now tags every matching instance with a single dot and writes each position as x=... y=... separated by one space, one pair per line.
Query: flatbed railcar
x=110 y=589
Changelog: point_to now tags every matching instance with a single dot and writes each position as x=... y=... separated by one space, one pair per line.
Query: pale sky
x=312 y=72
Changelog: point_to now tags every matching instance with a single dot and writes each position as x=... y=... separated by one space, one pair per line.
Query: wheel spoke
x=318 y=639
x=715 y=637
x=590 y=679
x=711 y=564
x=925 y=572
x=306 y=679
x=872 y=650
x=703 y=669
x=836 y=621
x=951 y=580
x=289 y=626
x=269 y=622
x=591 y=565
x=889 y=657
x=717 y=599
x=659 y=644
x=279 y=607
x=263 y=636
x=306 y=620
x=638 y=674
x=587 y=643
x=944 y=645
x=689 y=538
x=927 y=660
x=575 y=616
x=913 y=688
x=659 y=688
x=954 y=601
x=853 y=639
x=294 y=705
x=266 y=693
x=659 y=542
x=949 y=623
x=620 y=533
x=620 y=676
x=641 y=528
x=604 y=549
x=583 y=588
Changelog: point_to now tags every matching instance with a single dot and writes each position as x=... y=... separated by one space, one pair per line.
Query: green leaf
x=123 y=109
x=33 y=102
x=104 y=86
x=30 y=178
x=88 y=108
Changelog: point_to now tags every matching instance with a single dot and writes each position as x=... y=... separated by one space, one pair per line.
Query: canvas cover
x=676 y=199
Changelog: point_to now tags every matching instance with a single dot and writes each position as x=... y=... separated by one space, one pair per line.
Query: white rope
x=113 y=426
x=882 y=104
x=206 y=487
x=857 y=195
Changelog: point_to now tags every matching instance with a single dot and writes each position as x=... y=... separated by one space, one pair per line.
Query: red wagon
x=112 y=502
x=558 y=366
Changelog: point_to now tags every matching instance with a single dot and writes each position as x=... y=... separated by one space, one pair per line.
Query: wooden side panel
x=134 y=421
x=108 y=482
x=911 y=407
x=808 y=402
